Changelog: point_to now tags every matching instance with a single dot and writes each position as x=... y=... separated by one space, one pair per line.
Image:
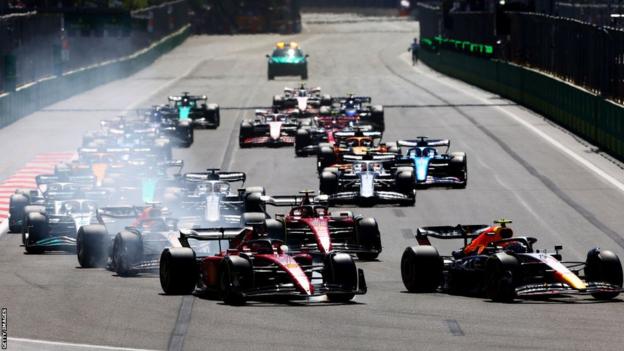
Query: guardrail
x=36 y=95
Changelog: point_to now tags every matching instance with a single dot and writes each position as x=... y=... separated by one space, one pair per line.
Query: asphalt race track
x=521 y=167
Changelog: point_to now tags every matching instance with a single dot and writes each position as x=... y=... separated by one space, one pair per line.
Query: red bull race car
x=495 y=264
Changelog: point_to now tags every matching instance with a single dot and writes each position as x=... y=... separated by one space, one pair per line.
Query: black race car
x=196 y=109
x=495 y=264
x=179 y=131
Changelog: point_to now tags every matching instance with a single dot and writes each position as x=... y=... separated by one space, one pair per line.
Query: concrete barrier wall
x=588 y=115
x=32 y=97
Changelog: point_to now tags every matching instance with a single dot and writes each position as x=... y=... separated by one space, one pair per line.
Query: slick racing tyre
x=377 y=117
x=214 y=114
x=127 y=252
x=603 y=266
x=369 y=237
x=178 y=271
x=501 y=274
x=37 y=229
x=17 y=204
x=246 y=131
x=236 y=277
x=340 y=271
x=405 y=182
x=421 y=269
x=459 y=168
x=253 y=219
x=326 y=156
x=302 y=139
x=27 y=210
x=275 y=229
x=253 y=199
x=92 y=246
x=328 y=182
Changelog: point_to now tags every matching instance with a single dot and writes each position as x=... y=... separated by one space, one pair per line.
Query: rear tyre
x=421 y=269
x=340 y=271
x=302 y=139
x=17 y=204
x=127 y=252
x=326 y=157
x=253 y=218
x=328 y=183
x=275 y=229
x=253 y=199
x=370 y=238
x=236 y=277
x=178 y=271
x=91 y=246
x=501 y=272
x=603 y=266
x=377 y=117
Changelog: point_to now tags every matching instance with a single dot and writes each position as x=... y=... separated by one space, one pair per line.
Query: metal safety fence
x=35 y=45
x=583 y=54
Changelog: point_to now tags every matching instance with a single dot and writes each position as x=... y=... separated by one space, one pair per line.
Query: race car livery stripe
x=25 y=177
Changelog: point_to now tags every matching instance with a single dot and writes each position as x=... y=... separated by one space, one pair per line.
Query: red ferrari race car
x=241 y=265
x=310 y=227
x=495 y=264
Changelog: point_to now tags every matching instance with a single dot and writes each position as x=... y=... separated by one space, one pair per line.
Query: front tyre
x=421 y=269
x=340 y=272
x=603 y=266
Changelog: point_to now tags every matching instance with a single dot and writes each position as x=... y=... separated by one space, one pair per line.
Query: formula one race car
x=59 y=185
x=433 y=167
x=309 y=226
x=287 y=59
x=166 y=118
x=321 y=129
x=206 y=199
x=196 y=109
x=360 y=107
x=267 y=128
x=55 y=225
x=357 y=142
x=502 y=267
x=368 y=180
x=140 y=181
x=242 y=265
x=300 y=101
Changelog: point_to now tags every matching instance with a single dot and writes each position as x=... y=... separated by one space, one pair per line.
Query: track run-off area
x=553 y=185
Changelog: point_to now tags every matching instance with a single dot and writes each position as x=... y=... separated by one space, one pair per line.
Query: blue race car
x=432 y=165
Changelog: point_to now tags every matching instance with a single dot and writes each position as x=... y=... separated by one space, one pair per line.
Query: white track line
x=616 y=183
x=65 y=345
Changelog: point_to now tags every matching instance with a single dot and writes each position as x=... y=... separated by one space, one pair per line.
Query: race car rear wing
x=190 y=97
x=44 y=179
x=210 y=234
x=424 y=141
x=460 y=231
x=118 y=212
x=294 y=200
x=356 y=99
x=216 y=174
x=366 y=133
x=381 y=157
